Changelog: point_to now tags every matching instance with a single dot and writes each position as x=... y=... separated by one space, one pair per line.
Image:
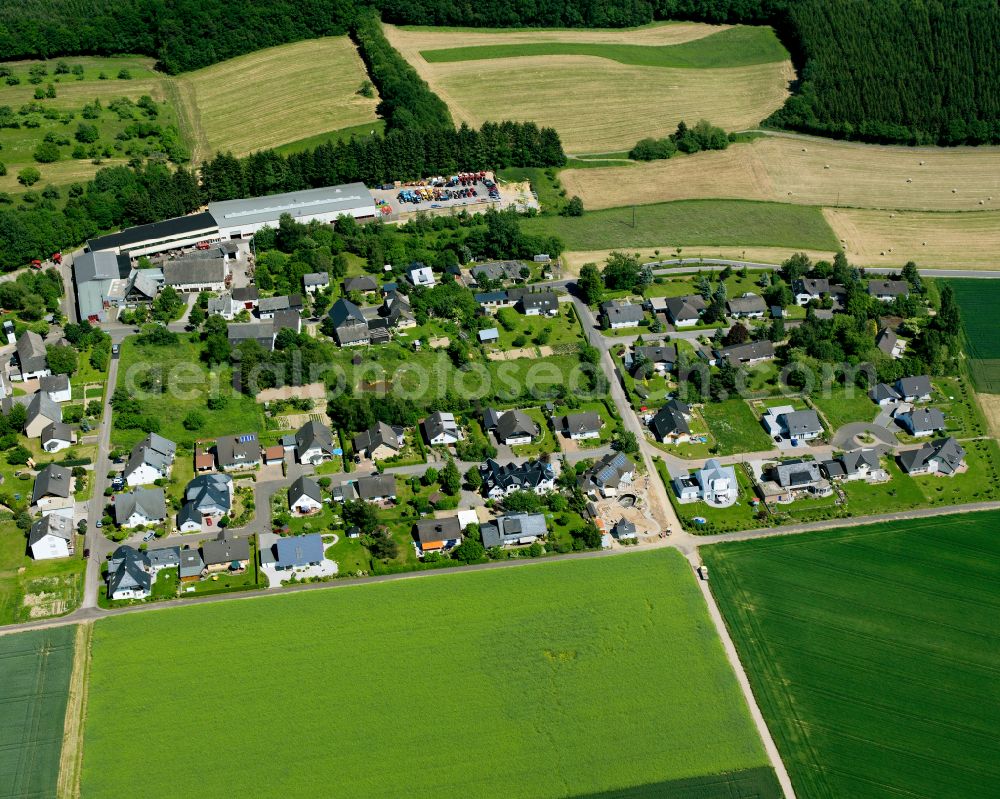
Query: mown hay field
x=34 y=684
x=873 y=653
x=597 y=105
x=943 y=240
x=276 y=95
x=807 y=172
x=606 y=676
x=692 y=223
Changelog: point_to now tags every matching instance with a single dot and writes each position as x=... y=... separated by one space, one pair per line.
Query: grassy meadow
x=35 y=669
x=692 y=224
x=513 y=702
x=872 y=653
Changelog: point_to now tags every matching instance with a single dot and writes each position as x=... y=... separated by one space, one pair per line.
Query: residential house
x=496 y=270
x=624 y=530
x=207 y=498
x=151 y=460
x=129 y=574
x=314 y=443
x=298 y=551
x=670 y=425
x=305 y=496
x=224 y=305
x=202 y=270
x=514 y=529
x=226 y=553
x=889 y=343
x=31 y=357
x=786 y=422
x=437 y=535
x=247 y=297
x=516 y=427
x=749 y=354
x=269 y=306
x=797 y=477
x=643 y=360
x=747 y=306
x=237 y=453
x=621 y=314
x=42 y=412
x=539 y=303
x=203 y=461
x=888 y=290
x=858 y=464
x=396 y=311
x=192 y=566
x=261 y=332
x=614 y=472
x=915 y=389
x=53 y=488
x=581 y=426
x=922 y=421
x=421 y=275
x=142 y=506
x=163 y=558
x=273 y=455
x=883 y=394
x=315 y=281
x=51 y=537
x=378 y=488
x=808 y=289
x=943 y=457
x=685 y=311
x=491 y=301
x=57 y=436
x=441 y=429
x=714 y=484
x=350 y=327
x=536 y=476
x=362 y=284
x=379 y=442
x=57 y=387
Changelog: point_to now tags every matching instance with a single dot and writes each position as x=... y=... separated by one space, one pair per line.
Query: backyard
x=734 y=427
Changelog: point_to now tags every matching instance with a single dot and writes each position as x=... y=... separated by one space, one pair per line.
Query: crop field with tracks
x=873 y=653
x=597 y=104
x=979 y=300
x=452 y=692
x=34 y=684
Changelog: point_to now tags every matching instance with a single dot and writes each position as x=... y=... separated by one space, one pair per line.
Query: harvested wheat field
x=596 y=104
x=574 y=259
x=941 y=240
x=277 y=95
x=808 y=172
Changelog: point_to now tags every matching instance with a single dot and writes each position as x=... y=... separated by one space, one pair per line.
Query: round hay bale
x=921 y=163
x=909 y=180
x=804 y=150
x=826 y=166
x=882 y=253
x=923 y=244
x=954 y=191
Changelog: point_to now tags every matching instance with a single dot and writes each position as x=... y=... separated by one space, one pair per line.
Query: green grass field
x=691 y=223
x=194 y=382
x=842 y=406
x=873 y=653
x=978 y=300
x=742 y=46
x=431 y=687
x=343 y=134
x=34 y=685
x=734 y=427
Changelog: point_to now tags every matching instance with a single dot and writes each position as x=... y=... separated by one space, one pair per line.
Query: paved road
x=685 y=266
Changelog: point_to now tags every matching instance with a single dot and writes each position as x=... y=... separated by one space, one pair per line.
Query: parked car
x=115 y=349
x=149 y=536
x=86 y=553
x=100 y=524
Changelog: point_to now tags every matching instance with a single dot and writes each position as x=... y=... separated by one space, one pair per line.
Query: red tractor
x=36 y=264
x=57 y=257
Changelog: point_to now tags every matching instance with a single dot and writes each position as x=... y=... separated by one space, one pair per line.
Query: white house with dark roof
x=942 y=457
x=238 y=453
x=379 y=442
x=315 y=281
x=921 y=422
x=207 y=498
x=57 y=436
x=129 y=574
x=514 y=529
x=51 y=537
x=618 y=315
x=441 y=429
x=786 y=422
x=888 y=290
x=305 y=496
x=516 y=427
x=685 y=311
x=31 y=357
x=58 y=387
x=808 y=289
x=437 y=535
x=889 y=343
x=141 y=506
x=314 y=443
x=151 y=460
x=536 y=476
x=539 y=303
x=580 y=426
x=747 y=306
x=612 y=473
x=52 y=484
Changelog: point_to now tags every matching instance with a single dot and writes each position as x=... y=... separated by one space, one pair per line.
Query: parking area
x=472 y=192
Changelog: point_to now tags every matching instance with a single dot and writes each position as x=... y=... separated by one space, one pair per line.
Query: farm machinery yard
x=399 y=200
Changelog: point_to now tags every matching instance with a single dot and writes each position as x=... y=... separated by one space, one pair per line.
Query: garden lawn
x=843 y=405
x=182 y=368
x=872 y=653
x=734 y=427
x=59 y=579
x=35 y=669
x=546 y=441
x=541 y=737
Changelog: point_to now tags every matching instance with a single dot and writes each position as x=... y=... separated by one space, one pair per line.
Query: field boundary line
x=71 y=756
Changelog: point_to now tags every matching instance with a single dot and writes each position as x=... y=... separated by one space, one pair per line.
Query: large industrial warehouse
x=235 y=219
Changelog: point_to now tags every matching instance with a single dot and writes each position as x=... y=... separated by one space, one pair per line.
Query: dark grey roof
x=43 y=405
x=491 y=417
x=207 y=494
x=298 y=550
x=658 y=353
x=360 y=283
x=344 y=312
x=287 y=319
x=438 y=423
x=100 y=266
x=752 y=304
x=609 y=470
x=923 y=420
x=667 y=421
x=513 y=527
x=239 y=449
x=261 y=332
x=618 y=312
x=376 y=436
x=856 y=458
x=56 y=431
x=168 y=228
x=430 y=530
x=580 y=423
x=541 y=300
x=886 y=340
x=53 y=383
x=383 y=485
x=497 y=270
x=31 y=352
x=623 y=529
x=686 y=308
x=225 y=550
x=149 y=502
x=919 y=386
x=304 y=487
x=316 y=279
x=154 y=450
x=798 y=473
x=834 y=468
x=314 y=434
x=52 y=481
x=751 y=351
x=54 y=524
x=801 y=422
x=893 y=288
x=813 y=286
x=165 y=557
x=282 y=303
x=191 y=563
x=527 y=475
x=129 y=574
x=883 y=391
x=189 y=270
x=246 y=294
x=514 y=424
x=681 y=407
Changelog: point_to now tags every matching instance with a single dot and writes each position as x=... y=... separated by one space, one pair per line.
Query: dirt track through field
x=71 y=759
x=808 y=172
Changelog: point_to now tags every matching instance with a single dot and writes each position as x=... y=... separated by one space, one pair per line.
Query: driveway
x=846 y=436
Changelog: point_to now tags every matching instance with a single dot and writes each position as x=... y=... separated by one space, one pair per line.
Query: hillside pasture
x=944 y=240
x=275 y=96
x=872 y=653
x=596 y=104
x=34 y=685
x=807 y=172
x=444 y=677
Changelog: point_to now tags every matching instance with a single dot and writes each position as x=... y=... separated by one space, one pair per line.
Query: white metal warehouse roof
x=306 y=203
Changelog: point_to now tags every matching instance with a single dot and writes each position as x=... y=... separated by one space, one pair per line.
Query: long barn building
x=239 y=219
